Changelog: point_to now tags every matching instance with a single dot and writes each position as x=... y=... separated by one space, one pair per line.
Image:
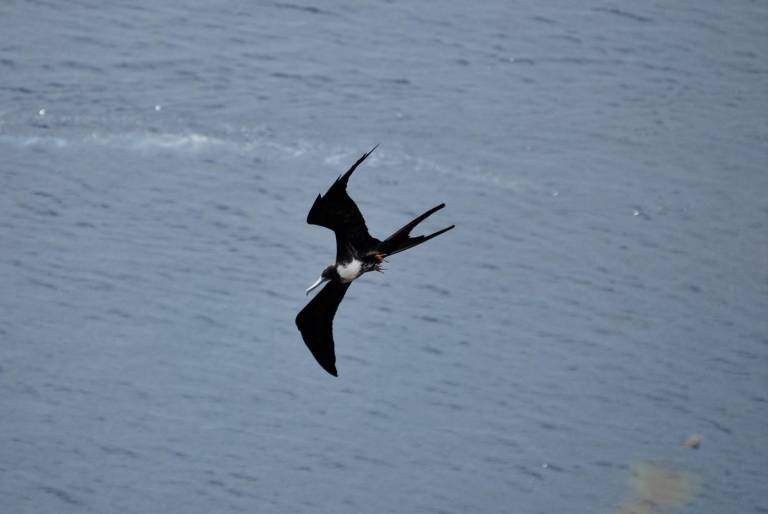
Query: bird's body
x=357 y=253
x=349 y=271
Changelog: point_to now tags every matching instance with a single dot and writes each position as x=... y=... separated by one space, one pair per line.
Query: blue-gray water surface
x=603 y=297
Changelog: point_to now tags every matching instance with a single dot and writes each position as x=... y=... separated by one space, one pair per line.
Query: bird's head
x=329 y=273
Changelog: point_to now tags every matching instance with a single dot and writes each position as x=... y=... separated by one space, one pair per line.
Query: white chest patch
x=349 y=271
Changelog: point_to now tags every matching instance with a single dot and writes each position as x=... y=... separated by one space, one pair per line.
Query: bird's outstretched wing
x=337 y=211
x=315 y=322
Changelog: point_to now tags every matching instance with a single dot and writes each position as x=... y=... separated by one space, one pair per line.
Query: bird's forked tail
x=401 y=239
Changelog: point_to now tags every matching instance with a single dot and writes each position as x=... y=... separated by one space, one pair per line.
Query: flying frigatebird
x=356 y=253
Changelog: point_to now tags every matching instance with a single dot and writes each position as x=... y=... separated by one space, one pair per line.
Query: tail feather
x=401 y=239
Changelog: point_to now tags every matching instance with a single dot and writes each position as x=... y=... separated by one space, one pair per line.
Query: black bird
x=356 y=253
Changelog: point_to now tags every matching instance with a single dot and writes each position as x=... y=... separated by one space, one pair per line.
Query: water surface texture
x=603 y=297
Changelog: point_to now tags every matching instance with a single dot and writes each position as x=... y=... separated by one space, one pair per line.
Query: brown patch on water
x=656 y=488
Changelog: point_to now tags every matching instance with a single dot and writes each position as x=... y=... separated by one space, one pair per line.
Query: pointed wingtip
x=343 y=179
x=364 y=157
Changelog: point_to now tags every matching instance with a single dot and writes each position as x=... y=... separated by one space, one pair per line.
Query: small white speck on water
x=555 y=193
x=41 y=112
x=545 y=465
x=158 y=107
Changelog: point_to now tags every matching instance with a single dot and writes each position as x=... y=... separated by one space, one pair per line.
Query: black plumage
x=357 y=252
x=337 y=211
x=315 y=322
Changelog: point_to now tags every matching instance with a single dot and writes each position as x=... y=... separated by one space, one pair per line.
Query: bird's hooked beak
x=319 y=281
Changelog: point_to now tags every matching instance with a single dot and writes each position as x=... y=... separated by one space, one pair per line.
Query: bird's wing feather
x=337 y=211
x=315 y=322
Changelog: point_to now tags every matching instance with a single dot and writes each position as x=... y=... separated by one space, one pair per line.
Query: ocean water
x=603 y=297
